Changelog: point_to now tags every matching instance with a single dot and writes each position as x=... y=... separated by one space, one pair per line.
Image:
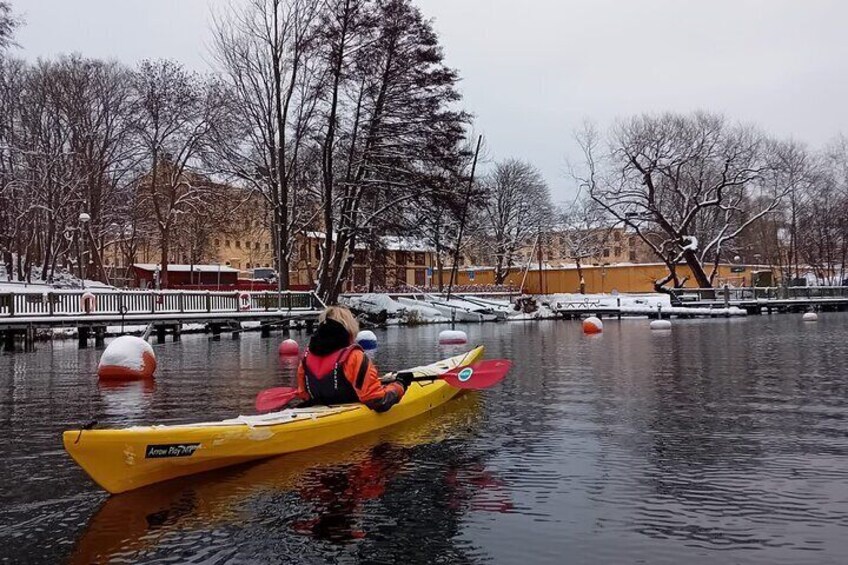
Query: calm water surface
x=722 y=441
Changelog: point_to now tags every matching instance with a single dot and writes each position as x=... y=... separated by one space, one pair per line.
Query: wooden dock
x=91 y=312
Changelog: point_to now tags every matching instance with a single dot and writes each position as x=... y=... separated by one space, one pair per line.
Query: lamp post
x=84 y=218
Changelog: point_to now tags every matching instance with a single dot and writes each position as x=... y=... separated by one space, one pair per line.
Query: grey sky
x=534 y=70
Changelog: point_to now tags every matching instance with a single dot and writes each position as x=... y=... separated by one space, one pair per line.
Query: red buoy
x=127 y=358
x=289 y=348
x=593 y=325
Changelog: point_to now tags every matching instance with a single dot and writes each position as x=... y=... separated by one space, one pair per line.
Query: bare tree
x=687 y=185
x=174 y=111
x=265 y=52
x=517 y=207
x=8 y=23
x=584 y=228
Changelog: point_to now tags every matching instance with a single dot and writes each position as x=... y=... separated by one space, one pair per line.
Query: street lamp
x=84 y=218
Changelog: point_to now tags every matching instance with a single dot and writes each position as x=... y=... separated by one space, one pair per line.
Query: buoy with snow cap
x=452 y=337
x=367 y=340
x=660 y=325
x=127 y=358
x=593 y=325
x=289 y=348
x=811 y=317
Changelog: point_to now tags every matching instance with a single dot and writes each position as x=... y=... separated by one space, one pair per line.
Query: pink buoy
x=127 y=358
x=593 y=325
x=289 y=348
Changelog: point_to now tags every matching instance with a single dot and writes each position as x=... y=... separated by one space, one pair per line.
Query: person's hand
x=404 y=378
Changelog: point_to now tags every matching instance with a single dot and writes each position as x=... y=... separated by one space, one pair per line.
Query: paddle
x=484 y=374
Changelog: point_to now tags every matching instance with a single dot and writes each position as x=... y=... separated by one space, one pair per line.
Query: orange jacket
x=371 y=392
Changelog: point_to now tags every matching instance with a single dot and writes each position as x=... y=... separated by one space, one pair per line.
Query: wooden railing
x=747 y=294
x=118 y=302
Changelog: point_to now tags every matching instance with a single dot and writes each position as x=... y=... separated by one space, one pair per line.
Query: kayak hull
x=125 y=459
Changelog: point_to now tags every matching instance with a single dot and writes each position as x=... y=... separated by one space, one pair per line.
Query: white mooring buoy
x=452 y=337
x=811 y=317
x=660 y=325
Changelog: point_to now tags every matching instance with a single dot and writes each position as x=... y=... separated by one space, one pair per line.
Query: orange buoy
x=289 y=348
x=127 y=358
x=593 y=325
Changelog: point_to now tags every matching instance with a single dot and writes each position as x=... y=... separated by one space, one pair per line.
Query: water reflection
x=328 y=495
x=127 y=402
x=720 y=441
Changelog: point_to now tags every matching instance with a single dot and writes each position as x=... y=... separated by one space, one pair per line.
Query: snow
x=178 y=268
x=692 y=245
x=389 y=242
x=651 y=302
x=375 y=303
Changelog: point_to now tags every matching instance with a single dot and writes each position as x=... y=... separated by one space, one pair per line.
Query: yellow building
x=595 y=246
x=600 y=279
x=399 y=262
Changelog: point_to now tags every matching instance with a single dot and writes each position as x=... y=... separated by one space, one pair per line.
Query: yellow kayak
x=121 y=527
x=130 y=458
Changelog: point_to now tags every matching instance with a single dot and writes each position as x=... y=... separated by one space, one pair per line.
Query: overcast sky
x=533 y=71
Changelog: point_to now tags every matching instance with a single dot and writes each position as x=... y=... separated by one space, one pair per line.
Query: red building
x=209 y=277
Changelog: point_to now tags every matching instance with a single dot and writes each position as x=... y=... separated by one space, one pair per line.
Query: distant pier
x=22 y=314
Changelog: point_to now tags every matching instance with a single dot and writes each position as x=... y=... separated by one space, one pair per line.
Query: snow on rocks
x=127 y=358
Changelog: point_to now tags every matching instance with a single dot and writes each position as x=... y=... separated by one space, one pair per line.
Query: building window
x=617 y=236
x=227 y=243
x=267 y=246
x=617 y=251
x=248 y=265
x=217 y=243
x=256 y=245
x=238 y=244
x=419 y=258
x=606 y=252
x=632 y=256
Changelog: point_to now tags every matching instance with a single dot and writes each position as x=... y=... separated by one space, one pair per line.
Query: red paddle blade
x=274 y=398
x=484 y=374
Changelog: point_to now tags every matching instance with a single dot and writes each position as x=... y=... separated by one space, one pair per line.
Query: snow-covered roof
x=176 y=268
x=400 y=243
x=390 y=242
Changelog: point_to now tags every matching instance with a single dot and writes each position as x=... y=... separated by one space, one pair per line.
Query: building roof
x=390 y=242
x=177 y=268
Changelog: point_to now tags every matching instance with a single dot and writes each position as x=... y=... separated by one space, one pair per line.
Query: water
x=721 y=441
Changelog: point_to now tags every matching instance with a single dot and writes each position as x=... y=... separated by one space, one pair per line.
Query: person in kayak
x=335 y=370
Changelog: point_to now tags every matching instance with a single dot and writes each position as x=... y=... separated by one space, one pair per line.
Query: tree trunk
x=697 y=269
x=163 y=273
x=581 y=281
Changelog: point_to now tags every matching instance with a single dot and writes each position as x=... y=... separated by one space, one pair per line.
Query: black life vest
x=333 y=387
